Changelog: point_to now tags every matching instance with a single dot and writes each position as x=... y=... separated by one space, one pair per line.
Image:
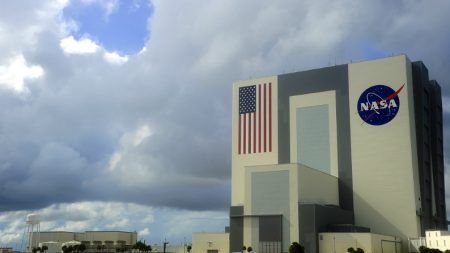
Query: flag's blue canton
x=247 y=99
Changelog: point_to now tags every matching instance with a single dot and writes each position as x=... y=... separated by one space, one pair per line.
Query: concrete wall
x=53 y=247
x=169 y=249
x=273 y=190
x=127 y=238
x=313 y=131
x=386 y=191
x=204 y=242
x=438 y=240
x=318 y=87
x=279 y=197
x=369 y=242
x=57 y=236
x=317 y=187
x=239 y=161
x=316 y=218
x=90 y=237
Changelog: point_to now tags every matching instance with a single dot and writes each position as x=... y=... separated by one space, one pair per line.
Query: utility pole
x=165 y=244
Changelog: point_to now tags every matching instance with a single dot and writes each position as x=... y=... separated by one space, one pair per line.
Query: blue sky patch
x=371 y=52
x=124 y=30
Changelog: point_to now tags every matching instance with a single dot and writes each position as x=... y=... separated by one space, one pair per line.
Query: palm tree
x=296 y=248
x=352 y=250
x=82 y=247
x=140 y=246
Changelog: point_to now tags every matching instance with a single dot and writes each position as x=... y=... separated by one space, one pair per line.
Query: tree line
x=140 y=246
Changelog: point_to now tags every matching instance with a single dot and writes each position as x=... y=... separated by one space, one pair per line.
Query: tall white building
x=348 y=148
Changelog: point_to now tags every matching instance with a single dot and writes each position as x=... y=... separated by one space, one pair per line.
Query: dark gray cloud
x=156 y=129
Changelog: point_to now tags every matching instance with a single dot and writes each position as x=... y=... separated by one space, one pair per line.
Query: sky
x=116 y=115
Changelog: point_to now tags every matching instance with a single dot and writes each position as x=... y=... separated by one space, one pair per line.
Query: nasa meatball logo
x=379 y=104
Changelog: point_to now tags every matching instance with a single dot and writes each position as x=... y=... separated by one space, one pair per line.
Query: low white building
x=210 y=243
x=107 y=241
x=438 y=239
x=434 y=239
x=169 y=248
x=369 y=242
x=51 y=246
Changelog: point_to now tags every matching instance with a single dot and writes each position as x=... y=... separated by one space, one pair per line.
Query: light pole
x=165 y=244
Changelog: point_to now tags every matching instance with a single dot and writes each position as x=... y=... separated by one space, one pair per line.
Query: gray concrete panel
x=270 y=193
x=236 y=228
x=319 y=80
x=314 y=219
x=313 y=138
x=270 y=228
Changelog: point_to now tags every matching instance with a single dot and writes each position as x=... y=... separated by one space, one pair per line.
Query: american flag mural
x=255 y=119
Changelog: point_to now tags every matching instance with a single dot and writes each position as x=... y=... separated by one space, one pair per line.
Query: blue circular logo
x=379 y=104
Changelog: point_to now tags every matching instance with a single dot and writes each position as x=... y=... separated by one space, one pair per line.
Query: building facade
x=107 y=241
x=433 y=239
x=436 y=239
x=210 y=243
x=370 y=242
x=358 y=144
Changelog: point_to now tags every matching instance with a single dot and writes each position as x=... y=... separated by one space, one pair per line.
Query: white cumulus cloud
x=115 y=58
x=14 y=74
x=144 y=232
x=83 y=46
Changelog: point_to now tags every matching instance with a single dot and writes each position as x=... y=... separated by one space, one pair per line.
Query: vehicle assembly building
x=353 y=149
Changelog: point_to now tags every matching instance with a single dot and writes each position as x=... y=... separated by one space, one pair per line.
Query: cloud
x=115 y=58
x=83 y=46
x=14 y=75
x=129 y=141
x=144 y=232
x=446 y=105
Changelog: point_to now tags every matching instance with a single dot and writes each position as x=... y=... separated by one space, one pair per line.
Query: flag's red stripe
x=270 y=117
x=244 y=140
x=259 y=118
x=249 y=133
x=265 y=126
x=254 y=132
x=239 y=135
